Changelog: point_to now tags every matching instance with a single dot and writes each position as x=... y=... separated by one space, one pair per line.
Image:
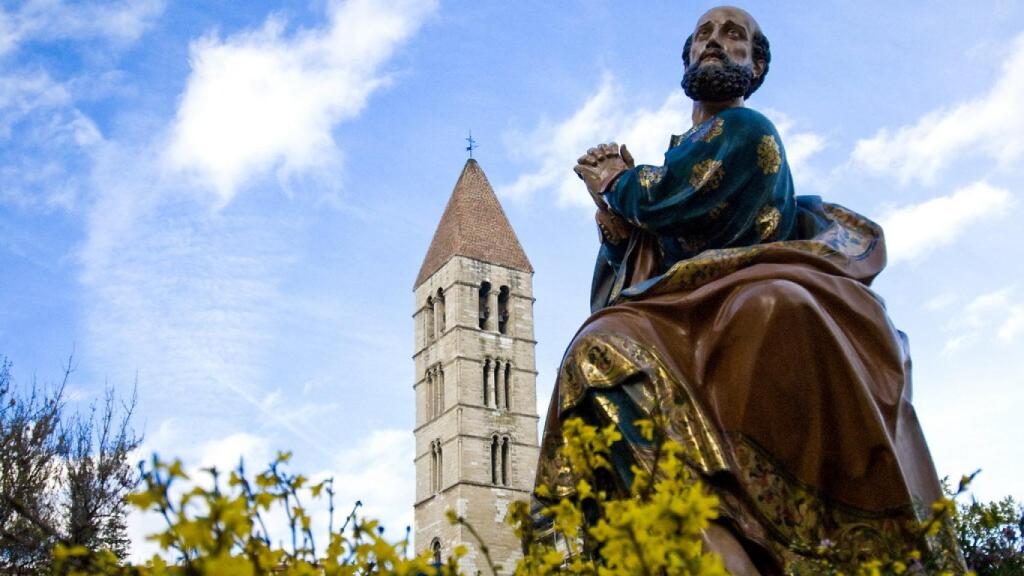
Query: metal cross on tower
x=472 y=144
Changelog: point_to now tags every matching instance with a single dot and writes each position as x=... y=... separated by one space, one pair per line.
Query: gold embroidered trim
x=606 y=360
x=849 y=238
x=802 y=526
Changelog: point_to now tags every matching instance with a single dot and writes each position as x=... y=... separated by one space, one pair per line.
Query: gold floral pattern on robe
x=707 y=175
x=769 y=159
x=715 y=213
x=767 y=221
x=710 y=130
x=649 y=176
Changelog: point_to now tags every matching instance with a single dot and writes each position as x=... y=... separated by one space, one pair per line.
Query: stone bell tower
x=476 y=405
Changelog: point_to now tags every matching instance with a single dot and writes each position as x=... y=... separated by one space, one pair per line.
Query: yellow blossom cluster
x=218 y=528
x=656 y=531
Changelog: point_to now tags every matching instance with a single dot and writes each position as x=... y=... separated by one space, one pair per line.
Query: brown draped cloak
x=779 y=370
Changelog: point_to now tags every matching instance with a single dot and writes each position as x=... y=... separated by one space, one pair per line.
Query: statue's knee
x=776 y=297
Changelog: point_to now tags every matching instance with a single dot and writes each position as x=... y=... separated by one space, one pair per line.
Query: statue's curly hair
x=762 y=51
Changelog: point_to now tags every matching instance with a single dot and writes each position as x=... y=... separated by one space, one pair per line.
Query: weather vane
x=472 y=144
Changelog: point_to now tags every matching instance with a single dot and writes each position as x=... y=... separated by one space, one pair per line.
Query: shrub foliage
x=217 y=524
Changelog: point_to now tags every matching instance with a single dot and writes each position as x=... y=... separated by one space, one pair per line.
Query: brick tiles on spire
x=475 y=226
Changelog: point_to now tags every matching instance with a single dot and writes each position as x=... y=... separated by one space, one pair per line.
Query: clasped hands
x=598 y=168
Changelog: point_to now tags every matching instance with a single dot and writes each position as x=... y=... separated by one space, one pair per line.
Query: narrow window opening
x=499 y=402
x=435 y=550
x=441 y=317
x=485 y=291
x=428 y=320
x=503 y=314
x=504 y=461
x=428 y=394
x=433 y=468
x=439 y=409
x=508 y=386
x=495 y=465
x=440 y=467
x=487 y=383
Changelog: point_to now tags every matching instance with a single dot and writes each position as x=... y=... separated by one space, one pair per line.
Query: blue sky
x=230 y=203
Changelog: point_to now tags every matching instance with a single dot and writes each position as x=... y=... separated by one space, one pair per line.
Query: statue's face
x=728 y=32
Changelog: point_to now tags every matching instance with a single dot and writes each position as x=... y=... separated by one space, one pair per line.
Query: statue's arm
x=704 y=179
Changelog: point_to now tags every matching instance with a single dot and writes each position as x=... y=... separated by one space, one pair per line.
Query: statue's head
x=725 y=57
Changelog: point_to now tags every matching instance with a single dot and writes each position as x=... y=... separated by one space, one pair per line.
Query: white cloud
x=602 y=118
x=47 y=141
x=940 y=302
x=118 y=21
x=914 y=230
x=607 y=116
x=377 y=471
x=990 y=124
x=189 y=297
x=995 y=316
x=1013 y=325
x=800 y=146
x=25 y=92
x=225 y=453
x=269 y=99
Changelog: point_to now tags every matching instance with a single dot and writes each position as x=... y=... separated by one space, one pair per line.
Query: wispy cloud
x=118 y=21
x=990 y=125
x=607 y=115
x=914 y=230
x=46 y=141
x=994 y=316
x=268 y=99
x=185 y=290
x=554 y=147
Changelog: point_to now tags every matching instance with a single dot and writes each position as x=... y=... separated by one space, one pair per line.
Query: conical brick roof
x=474 y=226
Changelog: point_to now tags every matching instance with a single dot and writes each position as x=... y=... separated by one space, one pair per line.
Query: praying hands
x=599 y=168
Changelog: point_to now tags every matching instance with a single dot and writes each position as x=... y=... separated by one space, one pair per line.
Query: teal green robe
x=725 y=183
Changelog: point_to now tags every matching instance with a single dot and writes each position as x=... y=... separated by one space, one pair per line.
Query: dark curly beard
x=717 y=83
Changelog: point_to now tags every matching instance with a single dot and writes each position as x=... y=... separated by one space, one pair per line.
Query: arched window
x=436 y=466
x=507 y=383
x=439 y=312
x=503 y=313
x=433 y=467
x=485 y=311
x=433 y=394
x=495 y=462
x=435 y=551
x=499 y=402
x=439 y=393
x=428 y=321
x=500 y=460
x=440 y=467
x=505 y=461
x=487 y=382
x=428 y=393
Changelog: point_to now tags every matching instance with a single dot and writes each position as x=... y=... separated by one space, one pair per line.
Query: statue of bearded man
x=744 y=315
